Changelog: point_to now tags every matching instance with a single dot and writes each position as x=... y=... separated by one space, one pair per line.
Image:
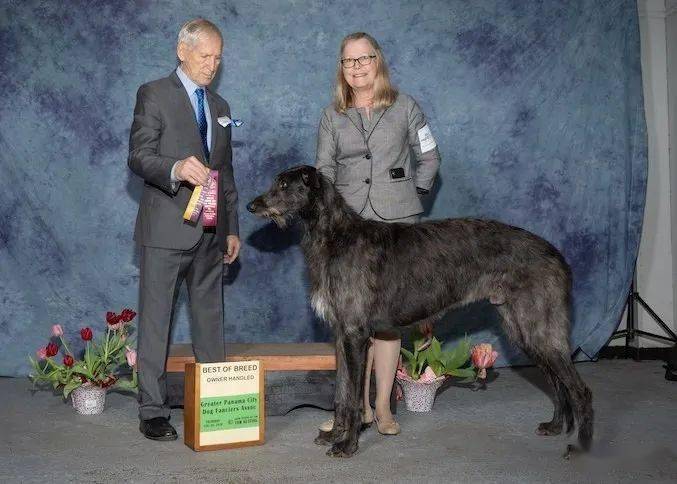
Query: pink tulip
x=401 y=370
x=131 y=356
x=57 y=330
x=41 y=353
x=402 y=374
x=428 y=375
x=483 y=357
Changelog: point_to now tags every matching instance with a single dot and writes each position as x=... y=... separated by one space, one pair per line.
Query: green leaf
x=412 y=370
x=124 y=384
x=408 y=354
x=436 y=348
x=437 y=368
x=458 y=356
x=462 y=373
x=70 y=386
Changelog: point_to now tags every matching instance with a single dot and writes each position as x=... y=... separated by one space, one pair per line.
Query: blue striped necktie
x=202 y=120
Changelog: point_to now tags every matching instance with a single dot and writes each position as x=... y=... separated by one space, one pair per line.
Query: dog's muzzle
x=255 y=205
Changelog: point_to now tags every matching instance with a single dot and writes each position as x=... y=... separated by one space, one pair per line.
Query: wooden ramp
x=275 y=356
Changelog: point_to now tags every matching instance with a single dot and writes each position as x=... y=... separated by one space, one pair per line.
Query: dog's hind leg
x=558 y=358
x=563 y=411
x=514 y=332
x=350 y=363
x=540 y=326
x=580 y=394
x=560 y=401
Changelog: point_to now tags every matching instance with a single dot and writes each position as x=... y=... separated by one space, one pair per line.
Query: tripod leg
x=630 y=334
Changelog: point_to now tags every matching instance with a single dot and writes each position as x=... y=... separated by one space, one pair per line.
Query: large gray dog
x=366 y=275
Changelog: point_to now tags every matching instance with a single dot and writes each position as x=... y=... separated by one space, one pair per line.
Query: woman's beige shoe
x=387 y=428
x=329 y=424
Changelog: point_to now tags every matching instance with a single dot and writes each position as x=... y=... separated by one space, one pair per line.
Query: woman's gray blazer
x=375 y=165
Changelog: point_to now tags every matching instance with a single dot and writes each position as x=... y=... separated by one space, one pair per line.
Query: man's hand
x=233 y=249
x=192 y=170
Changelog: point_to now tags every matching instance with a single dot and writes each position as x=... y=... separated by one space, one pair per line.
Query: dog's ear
x=310 y=178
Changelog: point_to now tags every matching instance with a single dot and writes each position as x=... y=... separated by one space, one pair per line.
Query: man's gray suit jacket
x=375 y=165
x=164 y=131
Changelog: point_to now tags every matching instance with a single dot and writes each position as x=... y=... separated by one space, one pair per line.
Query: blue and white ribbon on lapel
x=225 y=121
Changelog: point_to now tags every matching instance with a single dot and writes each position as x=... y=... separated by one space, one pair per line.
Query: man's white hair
x=192 y=30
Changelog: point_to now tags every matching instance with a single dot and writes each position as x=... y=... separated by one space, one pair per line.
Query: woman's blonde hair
x=384 y=92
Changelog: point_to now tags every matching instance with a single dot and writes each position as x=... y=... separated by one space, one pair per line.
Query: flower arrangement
x=100 y=363
x=422 y=371
x=427 y=362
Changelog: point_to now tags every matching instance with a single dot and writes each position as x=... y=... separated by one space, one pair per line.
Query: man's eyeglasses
x=365 y=60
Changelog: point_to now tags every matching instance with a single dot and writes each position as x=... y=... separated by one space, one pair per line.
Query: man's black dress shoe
x=158 y=428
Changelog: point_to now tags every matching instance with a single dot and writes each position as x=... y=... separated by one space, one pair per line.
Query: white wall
x=657 y=268
x=671 y=36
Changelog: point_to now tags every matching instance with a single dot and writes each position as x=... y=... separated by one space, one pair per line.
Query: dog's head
x=290 y=195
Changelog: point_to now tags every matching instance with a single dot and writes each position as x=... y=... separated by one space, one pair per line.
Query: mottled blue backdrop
x=536 y=106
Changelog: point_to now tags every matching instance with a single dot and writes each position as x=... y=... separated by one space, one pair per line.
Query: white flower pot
x=88 y=399
x=419 y=397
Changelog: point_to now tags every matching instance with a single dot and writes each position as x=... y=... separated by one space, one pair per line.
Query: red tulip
x=68 y=361
x=51 y=349
x=127 y=315
x=86 y=334
x=483 y=357
x=114 y=321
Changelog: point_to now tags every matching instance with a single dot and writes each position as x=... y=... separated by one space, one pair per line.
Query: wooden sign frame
x=192 y=410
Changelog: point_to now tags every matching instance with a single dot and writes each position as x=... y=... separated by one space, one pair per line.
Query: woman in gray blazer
x=364 y=146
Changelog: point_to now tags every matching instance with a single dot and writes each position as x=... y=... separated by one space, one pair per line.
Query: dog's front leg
x=350 y=363
x=337 y=433
x=348 y=411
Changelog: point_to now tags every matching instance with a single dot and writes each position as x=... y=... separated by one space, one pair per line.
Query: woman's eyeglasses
x=365 y=60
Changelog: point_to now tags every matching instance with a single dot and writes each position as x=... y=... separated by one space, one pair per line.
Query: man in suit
x=175 y=140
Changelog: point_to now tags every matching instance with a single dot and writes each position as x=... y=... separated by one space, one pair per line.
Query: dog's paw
x=549 y=428
x=323 y=438
x=342 y=449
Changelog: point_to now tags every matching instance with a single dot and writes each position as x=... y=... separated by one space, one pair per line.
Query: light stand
x=632 y=334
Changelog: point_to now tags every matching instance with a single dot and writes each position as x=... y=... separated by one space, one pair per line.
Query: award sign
x=223 y=405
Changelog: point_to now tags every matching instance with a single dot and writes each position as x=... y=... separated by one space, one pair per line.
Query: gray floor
x=482 y=436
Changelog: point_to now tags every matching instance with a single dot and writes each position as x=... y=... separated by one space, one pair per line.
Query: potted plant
x=422 y=371
x=87 y=379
